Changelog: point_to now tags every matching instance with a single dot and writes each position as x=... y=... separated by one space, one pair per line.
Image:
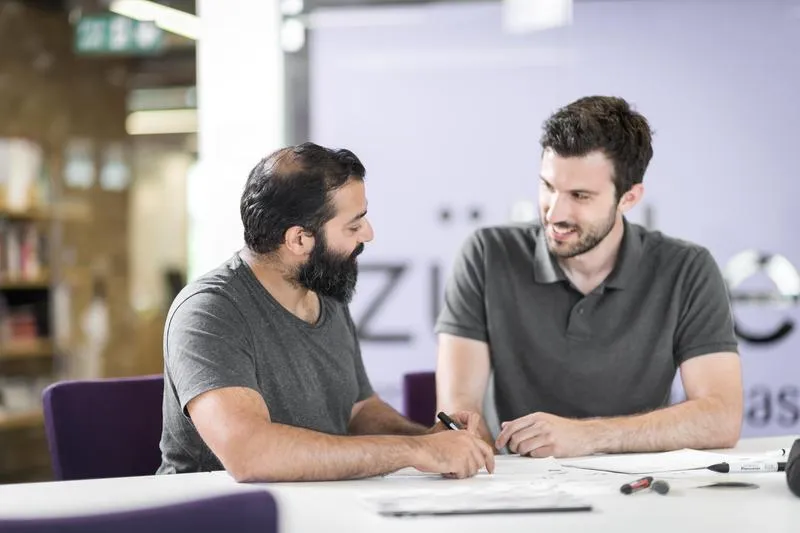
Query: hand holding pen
x=452 y=452
x=448 y=422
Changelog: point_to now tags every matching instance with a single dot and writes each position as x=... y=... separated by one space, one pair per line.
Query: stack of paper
x=516 y=497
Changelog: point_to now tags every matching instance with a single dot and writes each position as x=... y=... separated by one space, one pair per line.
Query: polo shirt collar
x=545 y=267
x=630 y=254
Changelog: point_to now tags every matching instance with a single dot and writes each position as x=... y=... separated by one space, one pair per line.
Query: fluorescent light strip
x=167 y=18
x=161 y=122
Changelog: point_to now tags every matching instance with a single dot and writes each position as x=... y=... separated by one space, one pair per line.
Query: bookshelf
x=39 y=347
x=28 y=353
x=61 y=114
x=27 y=419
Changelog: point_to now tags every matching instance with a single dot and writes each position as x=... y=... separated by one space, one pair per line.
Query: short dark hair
x=293 y=186
x=607 y=124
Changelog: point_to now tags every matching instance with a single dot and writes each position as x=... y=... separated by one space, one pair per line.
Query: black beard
x=329 y=273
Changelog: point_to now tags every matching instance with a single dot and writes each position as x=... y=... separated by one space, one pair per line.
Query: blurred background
x=128 y=128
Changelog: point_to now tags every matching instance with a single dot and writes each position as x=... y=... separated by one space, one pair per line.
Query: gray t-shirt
x=611 y=352
x=226 y=330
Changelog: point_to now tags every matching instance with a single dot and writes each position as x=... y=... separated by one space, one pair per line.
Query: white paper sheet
x=474 y=498
x=648 y=463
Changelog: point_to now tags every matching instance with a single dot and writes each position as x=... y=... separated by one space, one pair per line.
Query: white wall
x=240 y=114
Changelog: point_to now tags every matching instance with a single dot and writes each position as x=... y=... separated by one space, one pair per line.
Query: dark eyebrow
x=357 y=217
x=575 y=191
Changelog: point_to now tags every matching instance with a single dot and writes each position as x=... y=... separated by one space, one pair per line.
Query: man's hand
x=545 y=435
x=458 y=454
x=468 y=420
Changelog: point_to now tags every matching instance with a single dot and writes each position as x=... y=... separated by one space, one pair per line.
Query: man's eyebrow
x=573 y=191
x=358 y=216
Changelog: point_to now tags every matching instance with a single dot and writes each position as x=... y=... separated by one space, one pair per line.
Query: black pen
x=447 y=421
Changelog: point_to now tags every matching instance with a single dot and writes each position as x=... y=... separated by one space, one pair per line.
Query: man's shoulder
x=220 y=287
x=665 y=248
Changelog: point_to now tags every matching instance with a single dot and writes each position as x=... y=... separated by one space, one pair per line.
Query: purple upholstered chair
x=419 y=397
x=245 y=512
x=104 y=427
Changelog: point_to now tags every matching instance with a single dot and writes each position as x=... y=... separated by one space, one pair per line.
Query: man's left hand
x=545 y=435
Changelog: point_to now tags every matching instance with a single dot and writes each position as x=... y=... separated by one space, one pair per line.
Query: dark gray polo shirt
x=611 y=352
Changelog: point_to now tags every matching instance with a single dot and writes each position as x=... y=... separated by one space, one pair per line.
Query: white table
x=337 y=506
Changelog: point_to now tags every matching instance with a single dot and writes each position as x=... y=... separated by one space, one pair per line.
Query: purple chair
x=245 y=512
x=419 y=397
x=104 y=427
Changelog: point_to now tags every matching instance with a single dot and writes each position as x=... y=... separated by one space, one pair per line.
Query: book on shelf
x=23 y=248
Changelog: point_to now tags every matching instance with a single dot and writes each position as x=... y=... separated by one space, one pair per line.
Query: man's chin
x=563 y=252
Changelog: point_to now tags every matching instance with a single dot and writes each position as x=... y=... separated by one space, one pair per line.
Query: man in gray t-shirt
x=263 y=374
x=584 y=318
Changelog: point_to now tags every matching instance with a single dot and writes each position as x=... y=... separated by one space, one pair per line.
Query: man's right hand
x=467 y=420
x=458 y=454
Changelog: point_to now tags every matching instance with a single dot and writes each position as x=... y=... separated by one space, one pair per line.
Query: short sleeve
x=463 y=312
x=705 y=323
x=206 y=347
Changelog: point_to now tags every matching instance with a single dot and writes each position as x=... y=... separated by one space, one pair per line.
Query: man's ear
x=631 y=198
x=298 y=241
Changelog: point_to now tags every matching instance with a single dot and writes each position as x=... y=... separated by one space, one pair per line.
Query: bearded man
x=263 y=373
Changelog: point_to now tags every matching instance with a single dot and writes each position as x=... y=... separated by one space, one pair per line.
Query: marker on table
x=660 y=486
x=639 y=484
x=447 y=421
x=739 y=468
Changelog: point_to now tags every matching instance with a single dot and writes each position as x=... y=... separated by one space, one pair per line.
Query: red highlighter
x=635 y=486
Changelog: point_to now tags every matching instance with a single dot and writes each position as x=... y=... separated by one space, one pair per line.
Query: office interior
x=125 y=143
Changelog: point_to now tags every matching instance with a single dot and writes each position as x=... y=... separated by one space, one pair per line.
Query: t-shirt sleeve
x=463 y=312
x=206 y=347
x=364 y=386
x=705 y=324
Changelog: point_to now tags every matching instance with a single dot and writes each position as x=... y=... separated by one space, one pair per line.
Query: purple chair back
x=245 y=512
x=105 y=427
x=419 y=397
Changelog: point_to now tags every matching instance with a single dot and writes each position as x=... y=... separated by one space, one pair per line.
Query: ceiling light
x=167 y=18
x=161 y=121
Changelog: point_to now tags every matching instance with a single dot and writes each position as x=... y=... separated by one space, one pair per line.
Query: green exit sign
x=115 y=34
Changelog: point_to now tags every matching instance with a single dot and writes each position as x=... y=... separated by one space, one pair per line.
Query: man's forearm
x=701 y=423
x=277 y=452
x=377 y=417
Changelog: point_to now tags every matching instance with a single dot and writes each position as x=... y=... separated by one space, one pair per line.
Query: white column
x=240 y=80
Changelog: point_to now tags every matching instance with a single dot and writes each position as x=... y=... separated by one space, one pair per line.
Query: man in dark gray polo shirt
x=262 y=369
x=584 y=318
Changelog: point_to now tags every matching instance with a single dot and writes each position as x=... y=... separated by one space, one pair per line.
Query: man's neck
x=588 y=270
x=275 y=278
